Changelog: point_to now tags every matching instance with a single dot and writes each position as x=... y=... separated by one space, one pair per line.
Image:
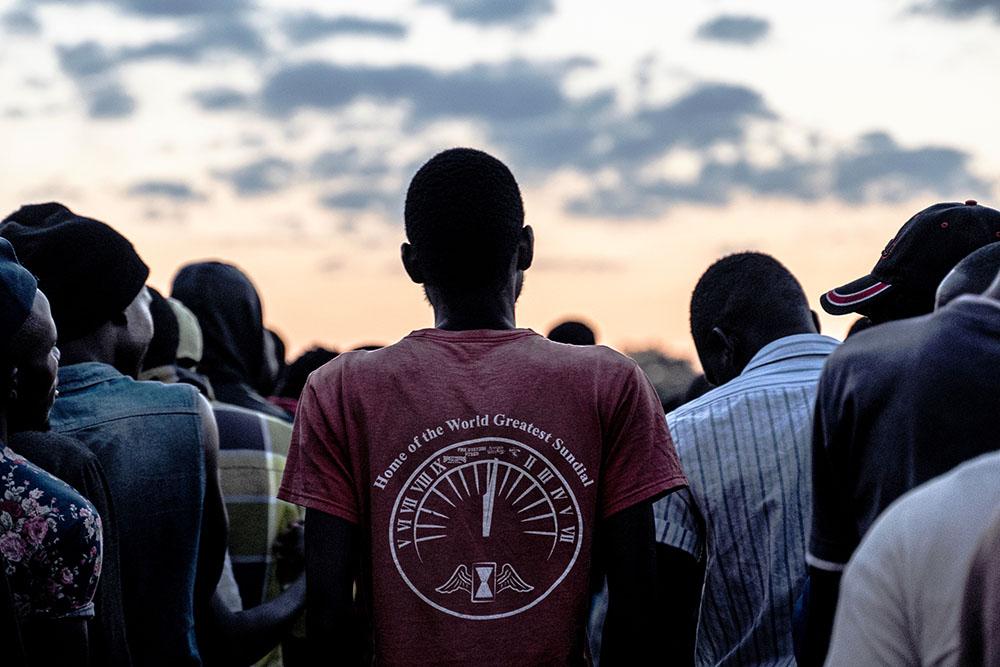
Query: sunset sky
x=649 y=138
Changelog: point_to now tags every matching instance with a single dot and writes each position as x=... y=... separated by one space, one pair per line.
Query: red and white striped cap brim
x=848 y=298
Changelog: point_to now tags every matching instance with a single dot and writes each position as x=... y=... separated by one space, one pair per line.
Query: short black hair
x=463 y=215
x=162 y=349
x=747 y=290
x=973 y=275
x=299 y=370
x=572 y=332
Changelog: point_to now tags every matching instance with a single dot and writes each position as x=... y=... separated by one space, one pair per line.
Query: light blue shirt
x=745 y=448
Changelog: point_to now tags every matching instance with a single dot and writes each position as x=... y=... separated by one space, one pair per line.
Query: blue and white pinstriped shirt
x=746 y=449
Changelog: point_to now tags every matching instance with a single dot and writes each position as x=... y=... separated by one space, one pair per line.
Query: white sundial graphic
x=485 y=529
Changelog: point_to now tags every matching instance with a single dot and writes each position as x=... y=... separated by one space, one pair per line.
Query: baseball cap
x=918 y=258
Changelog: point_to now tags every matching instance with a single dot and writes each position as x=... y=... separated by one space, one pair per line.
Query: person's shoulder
x=348 y=361
x=168 y=396
x=932 y=506
x=880 y=341
x=50 y=449
x=50 y=439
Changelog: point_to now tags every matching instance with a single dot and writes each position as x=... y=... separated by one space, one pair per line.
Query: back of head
x=752 y=299
x=17 y=296
x=299 y=370
x=463 y=215
x=89 y=272
x=166 y=333
x=572 y=332
x=229 y=313
x=973 y=275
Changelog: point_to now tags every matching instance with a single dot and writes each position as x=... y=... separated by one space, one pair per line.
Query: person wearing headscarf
x=51 y=548
x=232 y=326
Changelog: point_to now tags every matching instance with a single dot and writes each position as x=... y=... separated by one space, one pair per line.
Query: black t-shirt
x=898 y=405
x=69 y=460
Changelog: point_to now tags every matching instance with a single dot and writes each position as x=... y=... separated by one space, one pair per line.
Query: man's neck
x=465 y=319
x=485 y=311
x=83 y=352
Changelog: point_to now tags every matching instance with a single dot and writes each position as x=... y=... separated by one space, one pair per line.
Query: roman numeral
x=567 y=534
x=422 y=482
x=437 y=468
x=403 y=525
x=409 y=505
x=567 y=510
x=402 y=543
x=528 y=462
x=545 y=475
x=559 y=494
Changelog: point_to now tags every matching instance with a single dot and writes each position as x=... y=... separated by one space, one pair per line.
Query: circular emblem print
x=485 y=529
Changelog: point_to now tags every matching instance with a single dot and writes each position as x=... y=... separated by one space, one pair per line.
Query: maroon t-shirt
x=478 y=464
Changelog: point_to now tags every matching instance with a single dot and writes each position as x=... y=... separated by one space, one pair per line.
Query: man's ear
x=525 y=248
x=411 y=264
x=816 y=322
x=722 y=348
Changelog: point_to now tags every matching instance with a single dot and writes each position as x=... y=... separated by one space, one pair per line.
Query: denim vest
x=148 y=437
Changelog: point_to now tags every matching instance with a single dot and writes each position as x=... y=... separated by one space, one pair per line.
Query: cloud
x=743 y=30
x=183 y=7
x=494 y=12
x=213 y=35
x=345 y=162
x=262 y=176
x=881 y=170
x=21 y=21
x=875 y=170
x=511 y=90
x=960 y=8
x=219 y=98
x=209 y=36
x=167 y=189
x=706 y=115
x=309 y=27
x=168 y=8
x=110 y=101
x=92 y=69
x=361 y=200
x=86 y=59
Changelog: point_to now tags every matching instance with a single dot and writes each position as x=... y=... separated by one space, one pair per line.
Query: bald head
x=973 y=275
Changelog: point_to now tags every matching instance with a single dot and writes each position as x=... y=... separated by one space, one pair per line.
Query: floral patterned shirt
x=50 y=542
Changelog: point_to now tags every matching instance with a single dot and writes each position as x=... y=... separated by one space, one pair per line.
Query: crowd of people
x=174 y=494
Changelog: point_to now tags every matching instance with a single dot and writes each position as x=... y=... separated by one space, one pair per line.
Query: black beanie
x=89 y=272
x=17 y=293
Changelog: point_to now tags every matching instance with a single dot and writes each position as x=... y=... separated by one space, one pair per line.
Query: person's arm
x=628 y=550
x=833 y=536
x=332 y=558
x=233 y=639
x=214 y=522
x=678 y=593
x=817 y=617
x=55 y=641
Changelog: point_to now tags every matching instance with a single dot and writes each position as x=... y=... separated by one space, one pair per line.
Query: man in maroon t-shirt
x=469 y=476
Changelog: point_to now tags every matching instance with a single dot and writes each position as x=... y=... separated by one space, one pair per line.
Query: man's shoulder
x=237 y=424
x=531 y=350
x=885 y=344
x=52 y=446
x=948 y=504
x=167 y=397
